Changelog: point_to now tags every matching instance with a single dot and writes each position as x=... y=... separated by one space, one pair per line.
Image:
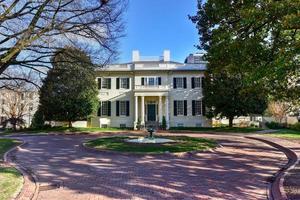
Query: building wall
x=114 y=95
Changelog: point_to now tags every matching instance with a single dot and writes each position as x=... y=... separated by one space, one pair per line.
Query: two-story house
x=149 y=89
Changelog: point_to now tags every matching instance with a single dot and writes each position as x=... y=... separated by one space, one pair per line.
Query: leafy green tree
x=69 y=91
x=259 y=39
x=226 y=96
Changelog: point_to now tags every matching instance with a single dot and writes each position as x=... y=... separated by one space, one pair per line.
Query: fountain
x=150 y=139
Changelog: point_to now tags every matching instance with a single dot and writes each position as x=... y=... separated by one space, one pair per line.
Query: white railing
x=151 y=87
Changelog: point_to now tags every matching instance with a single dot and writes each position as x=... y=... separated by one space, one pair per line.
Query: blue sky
x=155 y=25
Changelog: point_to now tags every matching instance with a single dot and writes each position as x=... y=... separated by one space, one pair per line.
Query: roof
x=154 y=65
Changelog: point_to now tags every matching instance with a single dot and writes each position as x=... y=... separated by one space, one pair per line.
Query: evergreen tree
x=69 y=92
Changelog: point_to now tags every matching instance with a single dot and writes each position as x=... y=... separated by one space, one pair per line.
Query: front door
x=151 y=114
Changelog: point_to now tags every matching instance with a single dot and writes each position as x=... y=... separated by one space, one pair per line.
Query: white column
x=136 y=111
x=160 y=109
x=167 y=112
x=143 y=111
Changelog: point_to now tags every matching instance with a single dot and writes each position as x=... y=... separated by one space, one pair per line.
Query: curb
x=29 y=178
x=276 y=189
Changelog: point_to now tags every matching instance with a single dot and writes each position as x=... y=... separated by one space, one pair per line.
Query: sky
x=155 y=25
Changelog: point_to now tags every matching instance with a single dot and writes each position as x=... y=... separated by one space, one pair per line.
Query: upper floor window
x=104 y=83
x=151 y=81
x=123 y=83
x=196 y=82
x=179 y=82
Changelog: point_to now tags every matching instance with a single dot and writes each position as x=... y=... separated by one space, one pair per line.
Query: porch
x=150 y=108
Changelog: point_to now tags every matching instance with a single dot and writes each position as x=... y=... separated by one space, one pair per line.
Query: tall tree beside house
x=69 y=92
x=226 y=96
x=258 y=39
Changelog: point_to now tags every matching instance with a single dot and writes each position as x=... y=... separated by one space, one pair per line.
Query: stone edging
x=276 y=189
x=29 y=178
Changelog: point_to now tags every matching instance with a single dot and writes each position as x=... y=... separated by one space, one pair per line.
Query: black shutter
x=99 y=83
x=118 y=83
x=159 y=80
x=202 y=82
x=174 y=83
x=184 y=82
x=127 y=108
x=193 y=82
x=109 y=83
x=185 y=107
x=128 y=83
x=194 y=107
x=99 y=110
x=109 y=108
x=203 y=108
x=175 y=108
x=117 y=108
x=143 y=81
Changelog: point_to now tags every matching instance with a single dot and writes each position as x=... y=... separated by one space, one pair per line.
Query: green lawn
x=217 y=129
x=11 y=180
x=183 y=144
x=287 y=134
x=65 y=130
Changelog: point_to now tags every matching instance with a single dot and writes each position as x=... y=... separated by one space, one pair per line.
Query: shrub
x=164 y=123
x=275 y=125
x=296 y=126
x=38 y=120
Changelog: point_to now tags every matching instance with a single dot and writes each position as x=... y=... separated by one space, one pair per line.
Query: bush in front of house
x=296 y=126
x=275 y=125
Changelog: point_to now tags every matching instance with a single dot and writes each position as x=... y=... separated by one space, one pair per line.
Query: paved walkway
x=238 y=170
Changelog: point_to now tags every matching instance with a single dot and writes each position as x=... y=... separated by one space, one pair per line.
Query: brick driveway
x=238 y=170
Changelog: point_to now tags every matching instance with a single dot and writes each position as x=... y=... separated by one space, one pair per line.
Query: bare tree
x=279 y=110
x=31 y=31
x=18 y=106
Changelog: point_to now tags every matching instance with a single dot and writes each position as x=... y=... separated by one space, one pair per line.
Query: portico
x=151 y=107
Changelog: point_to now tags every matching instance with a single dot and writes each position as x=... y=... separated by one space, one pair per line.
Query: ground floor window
x=122 y=108
x=180 y=107
x=104 y=108
x=197 y=107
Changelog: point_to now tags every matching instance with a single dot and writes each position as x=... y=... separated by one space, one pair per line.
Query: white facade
x=149 y=89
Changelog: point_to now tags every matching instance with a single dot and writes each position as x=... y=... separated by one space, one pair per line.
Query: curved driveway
x=238 y=170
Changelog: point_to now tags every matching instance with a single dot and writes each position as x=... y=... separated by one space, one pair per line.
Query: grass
x=217 y=129
x=64 y=129
x=183 y=144
x=287 y=134
x=11 y=180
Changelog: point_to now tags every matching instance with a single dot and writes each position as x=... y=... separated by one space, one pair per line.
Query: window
x=152 y=81
x=125 y=83
x=106 y=83
x=196 y=82
x=105 y=108
x=180 y=108
x=197 y=107
x=122 y=108
x=179 y=82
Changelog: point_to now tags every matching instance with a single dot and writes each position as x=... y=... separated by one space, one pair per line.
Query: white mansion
x=149 y=90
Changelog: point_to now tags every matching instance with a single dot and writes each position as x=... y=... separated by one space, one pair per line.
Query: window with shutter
x=118 y=83
x=99 y=83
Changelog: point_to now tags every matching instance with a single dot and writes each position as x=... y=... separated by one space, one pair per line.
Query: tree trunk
x=230 y=122
x=70 y=124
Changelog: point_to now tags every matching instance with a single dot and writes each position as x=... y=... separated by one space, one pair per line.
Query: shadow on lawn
x=221 y=175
